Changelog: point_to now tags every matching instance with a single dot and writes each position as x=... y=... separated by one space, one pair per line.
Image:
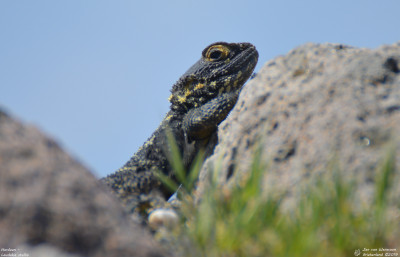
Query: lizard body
x=200 y=100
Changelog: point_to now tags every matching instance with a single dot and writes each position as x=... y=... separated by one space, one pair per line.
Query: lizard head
x=222 y=68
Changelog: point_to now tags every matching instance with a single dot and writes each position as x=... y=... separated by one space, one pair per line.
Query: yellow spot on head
x=181 y=99
x=199 y=86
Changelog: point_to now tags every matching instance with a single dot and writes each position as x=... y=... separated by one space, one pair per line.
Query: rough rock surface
x=317 y=103
x=51 y=206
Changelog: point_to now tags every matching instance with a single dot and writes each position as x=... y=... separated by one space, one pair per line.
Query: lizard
x=200 y=100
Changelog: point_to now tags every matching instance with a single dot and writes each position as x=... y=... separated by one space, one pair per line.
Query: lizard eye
x=216 y=53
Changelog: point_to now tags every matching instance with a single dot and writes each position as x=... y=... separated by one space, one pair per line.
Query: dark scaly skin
x=200 y=100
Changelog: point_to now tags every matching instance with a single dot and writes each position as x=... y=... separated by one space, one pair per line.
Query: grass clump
x=327 y=218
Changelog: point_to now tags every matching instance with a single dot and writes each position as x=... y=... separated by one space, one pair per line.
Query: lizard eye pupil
x=215 y=54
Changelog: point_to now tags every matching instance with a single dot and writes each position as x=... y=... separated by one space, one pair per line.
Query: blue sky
x=96 y=75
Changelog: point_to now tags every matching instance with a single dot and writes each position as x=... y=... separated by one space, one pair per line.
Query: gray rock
x=319 y=103
x=52 y=205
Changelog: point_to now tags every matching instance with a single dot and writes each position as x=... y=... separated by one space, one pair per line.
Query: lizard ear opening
x=216 y=53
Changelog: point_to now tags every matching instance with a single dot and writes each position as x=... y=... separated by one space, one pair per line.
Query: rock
x=319 y=103
x=50 y=204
